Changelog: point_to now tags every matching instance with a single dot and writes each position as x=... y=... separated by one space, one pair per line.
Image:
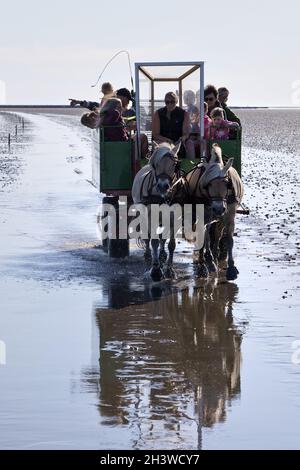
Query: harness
x=205 y=198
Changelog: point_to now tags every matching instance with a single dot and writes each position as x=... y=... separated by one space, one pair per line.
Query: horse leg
x=218 y=229
x=231 y=272
x=156 y=271
x=223 y=247
x=169 y=271
x=162 y=252
x=212 y=268
x=201 y=268
x=147 y=254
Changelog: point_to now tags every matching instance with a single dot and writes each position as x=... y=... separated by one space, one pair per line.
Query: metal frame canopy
x=167 y=72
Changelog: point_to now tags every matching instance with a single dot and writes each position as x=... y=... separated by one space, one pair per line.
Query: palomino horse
x=151 y=185
x=221 y=189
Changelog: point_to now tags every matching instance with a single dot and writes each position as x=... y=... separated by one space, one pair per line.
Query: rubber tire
x=118 y=248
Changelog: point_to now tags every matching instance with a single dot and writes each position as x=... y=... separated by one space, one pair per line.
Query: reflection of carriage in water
x=115 y=164
x=171 y=368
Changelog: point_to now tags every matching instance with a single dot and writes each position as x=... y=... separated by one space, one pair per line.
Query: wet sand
x=98 y=358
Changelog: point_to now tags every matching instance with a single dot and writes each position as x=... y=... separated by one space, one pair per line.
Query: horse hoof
x=163 y=257
x=202 y=271
x=170 y=273
x=231 y=273
x=156 y=274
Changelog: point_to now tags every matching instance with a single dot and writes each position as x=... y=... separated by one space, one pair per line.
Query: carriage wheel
x=105 y=245
x=116 y=248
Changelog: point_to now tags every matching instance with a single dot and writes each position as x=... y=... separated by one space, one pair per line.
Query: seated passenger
x=223 y=94
x=189 y=99
x=194 y=143
x=112 y=122
x=108 y=92
x=170 y=123
x=195 y=126
x=125 y=96
x=211 y=98
x=220 y=127
x=129 y=116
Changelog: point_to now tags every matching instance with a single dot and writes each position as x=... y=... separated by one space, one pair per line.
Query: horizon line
x=63 y=106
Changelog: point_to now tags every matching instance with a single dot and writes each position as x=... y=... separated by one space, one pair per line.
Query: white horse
x=151 y=185
x=221 y=189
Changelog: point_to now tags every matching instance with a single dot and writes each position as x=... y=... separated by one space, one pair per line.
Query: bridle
x=154 y=177
x=219 y=199
x=165 y=175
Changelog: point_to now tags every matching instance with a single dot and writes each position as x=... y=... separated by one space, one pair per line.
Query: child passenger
x=220 y=127
x=108 y=92
x=195 y=128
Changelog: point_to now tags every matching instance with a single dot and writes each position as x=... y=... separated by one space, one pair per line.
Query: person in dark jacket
x=223 y=94
x=125 y=96
x=171 y=122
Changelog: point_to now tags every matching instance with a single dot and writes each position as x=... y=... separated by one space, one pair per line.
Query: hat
x=124 y=92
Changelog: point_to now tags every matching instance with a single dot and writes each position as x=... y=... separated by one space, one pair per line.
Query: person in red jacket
x=112 y=122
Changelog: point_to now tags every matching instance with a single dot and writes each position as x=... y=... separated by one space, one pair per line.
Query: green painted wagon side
x=112 y=165
x=113 y=162
x=231 y=148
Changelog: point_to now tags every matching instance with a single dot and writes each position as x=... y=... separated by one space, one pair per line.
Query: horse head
x=214 y=181
x=164 y=163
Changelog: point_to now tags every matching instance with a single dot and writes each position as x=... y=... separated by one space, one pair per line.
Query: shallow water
x=98 y=358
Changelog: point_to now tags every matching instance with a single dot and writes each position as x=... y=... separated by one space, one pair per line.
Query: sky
x=52 y=51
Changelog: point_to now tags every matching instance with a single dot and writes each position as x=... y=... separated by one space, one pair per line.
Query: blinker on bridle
x=206 y=188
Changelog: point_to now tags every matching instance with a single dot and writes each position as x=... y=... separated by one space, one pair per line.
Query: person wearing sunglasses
x=171 y=122
x=211 y=98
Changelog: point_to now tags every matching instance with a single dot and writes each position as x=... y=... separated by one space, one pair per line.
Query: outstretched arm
x=84 y=104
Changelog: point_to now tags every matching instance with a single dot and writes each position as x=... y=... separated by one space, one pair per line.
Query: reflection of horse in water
x=168 y=367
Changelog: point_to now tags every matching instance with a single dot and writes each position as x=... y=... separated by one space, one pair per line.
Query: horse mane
x=212 y=171
x=213 y=168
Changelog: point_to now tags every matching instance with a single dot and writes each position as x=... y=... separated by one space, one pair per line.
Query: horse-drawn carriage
x=115 y=164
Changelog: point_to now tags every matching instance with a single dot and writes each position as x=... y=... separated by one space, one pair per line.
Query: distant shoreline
x=78 y=111
x=62 y=106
